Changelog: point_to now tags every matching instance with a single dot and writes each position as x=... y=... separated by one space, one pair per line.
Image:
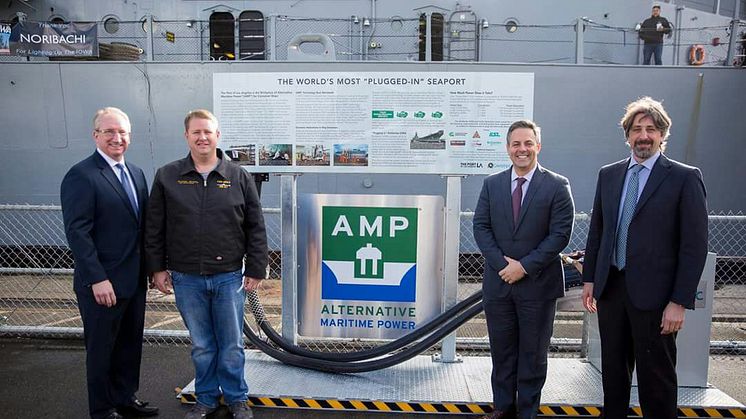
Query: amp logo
x=369 y=253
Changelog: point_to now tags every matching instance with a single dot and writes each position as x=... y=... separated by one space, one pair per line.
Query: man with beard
x=645 y=254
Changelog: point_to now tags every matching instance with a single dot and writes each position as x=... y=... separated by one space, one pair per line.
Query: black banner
x=47 y=39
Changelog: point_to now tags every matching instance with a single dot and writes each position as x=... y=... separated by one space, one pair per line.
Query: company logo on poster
x=369 y=253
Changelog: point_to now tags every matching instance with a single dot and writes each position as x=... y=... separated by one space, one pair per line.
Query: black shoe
x=138 y=407
x=114 y=415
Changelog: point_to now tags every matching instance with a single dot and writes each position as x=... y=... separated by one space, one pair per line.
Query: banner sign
x=371 y=122
x=47 y=39
x=372 y=266
x=5 y=39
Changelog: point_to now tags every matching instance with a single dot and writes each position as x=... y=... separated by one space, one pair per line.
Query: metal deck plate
x=570 y=382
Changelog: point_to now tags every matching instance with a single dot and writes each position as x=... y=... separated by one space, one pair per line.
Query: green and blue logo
x=369 y=253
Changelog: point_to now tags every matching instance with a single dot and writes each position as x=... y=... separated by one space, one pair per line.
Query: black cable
x=258 y=311
x=371 y=365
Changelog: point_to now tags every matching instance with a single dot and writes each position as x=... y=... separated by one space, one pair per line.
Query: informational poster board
x=371 y=122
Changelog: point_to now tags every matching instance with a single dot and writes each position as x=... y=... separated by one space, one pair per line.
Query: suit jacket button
x=218 y=258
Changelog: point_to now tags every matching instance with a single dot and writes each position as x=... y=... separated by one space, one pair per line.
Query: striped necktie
x=630 y=203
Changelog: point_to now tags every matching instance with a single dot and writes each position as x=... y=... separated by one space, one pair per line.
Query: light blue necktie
x=127 y=187
x=630 y=202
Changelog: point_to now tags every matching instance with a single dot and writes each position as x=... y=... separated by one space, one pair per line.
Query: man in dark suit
x=103 y=199
x=645 y=254
x=523 y=220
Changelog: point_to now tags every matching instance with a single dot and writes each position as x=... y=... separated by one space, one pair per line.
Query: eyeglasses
x=109 y=133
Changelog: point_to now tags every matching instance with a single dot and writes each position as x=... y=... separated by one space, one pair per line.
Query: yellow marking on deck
x=381 y=406
x=429 y=408
x=405 y=407
x=313 y=403
x=713 y=413
x=358 y=405
x=336 y=404
x=267 y=401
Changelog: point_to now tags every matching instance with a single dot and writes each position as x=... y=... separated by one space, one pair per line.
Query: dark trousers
x=652 y=50
x=519 y=332
x=113 y=342
x=632 y=337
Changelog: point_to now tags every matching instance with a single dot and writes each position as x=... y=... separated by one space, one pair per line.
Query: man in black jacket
x=205 y=226
x=651 y=32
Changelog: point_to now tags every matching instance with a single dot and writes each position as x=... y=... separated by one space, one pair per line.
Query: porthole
x=111 y=24
x=511 y=25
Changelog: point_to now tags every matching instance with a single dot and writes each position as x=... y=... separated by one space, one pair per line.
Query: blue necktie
x=630 y=202
x=126 y=185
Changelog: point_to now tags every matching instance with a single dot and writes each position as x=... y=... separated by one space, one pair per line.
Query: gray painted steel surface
x=48 y=107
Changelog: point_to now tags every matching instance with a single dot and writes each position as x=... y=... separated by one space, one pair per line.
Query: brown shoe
x=499 y=414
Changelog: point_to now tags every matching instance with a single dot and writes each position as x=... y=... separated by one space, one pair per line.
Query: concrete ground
x=46 y=379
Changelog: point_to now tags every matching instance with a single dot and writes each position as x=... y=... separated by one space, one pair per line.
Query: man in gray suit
x=522 y=221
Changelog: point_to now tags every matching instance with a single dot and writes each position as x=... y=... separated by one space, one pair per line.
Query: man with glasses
x=103 y=198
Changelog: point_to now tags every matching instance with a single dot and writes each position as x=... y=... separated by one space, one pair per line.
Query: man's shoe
x=199 y=411
x=114 y=415
x=499 y=414
x=138 y=407
x=241 y=411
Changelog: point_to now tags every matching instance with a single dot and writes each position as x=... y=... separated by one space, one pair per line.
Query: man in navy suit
x=646 y=249
x=103 y=199
x=523 y=220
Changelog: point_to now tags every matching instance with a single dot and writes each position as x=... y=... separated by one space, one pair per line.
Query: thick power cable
x=371 y=365
x=393 y=346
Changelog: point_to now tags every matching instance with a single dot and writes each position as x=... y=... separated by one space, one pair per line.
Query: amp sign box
x=372 y=265
x=369 y=254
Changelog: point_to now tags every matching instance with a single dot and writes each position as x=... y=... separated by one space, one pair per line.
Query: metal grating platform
x=420 y=385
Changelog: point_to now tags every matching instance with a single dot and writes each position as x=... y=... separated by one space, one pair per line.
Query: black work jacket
x=205 y=227
x=650 y=34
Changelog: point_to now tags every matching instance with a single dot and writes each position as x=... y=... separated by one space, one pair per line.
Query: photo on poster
x=430 y=141
x=244 y=155
x=5 y=39
x=312 y=155
x=276 y=155
x=350 y=154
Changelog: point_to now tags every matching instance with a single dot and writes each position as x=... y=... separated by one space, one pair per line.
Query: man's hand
x=513 y=272
x=103 y=292
x=588 y=301
x=162 y=281
x=673 y=318
x=251 y=284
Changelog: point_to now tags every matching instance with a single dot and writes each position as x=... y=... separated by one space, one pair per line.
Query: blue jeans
x=650 y=50
x=213 y=312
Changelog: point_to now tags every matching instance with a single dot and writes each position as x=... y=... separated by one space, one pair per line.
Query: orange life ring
x=696 y=55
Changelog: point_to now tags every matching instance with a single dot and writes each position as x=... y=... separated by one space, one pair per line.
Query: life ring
x=696 y=55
